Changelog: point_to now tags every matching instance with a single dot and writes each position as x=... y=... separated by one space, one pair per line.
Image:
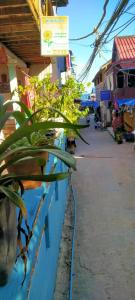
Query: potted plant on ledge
x=11 y=184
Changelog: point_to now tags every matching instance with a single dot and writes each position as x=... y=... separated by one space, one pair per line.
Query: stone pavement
x=104 y=263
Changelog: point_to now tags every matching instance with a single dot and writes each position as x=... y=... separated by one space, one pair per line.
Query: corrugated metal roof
x=125 y=46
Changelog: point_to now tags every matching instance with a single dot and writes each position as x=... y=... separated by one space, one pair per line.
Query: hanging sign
x=54 y=36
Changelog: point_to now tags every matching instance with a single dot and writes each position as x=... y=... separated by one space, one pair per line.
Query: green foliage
x=29 y=142
x=48 y=95
x=24 y=144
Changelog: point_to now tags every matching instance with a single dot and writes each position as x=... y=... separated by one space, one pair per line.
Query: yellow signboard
x=54 y=36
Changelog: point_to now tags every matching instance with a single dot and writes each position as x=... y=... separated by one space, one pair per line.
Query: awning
x=129 y=102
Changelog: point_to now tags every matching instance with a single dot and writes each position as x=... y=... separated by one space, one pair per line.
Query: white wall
x=40 y=70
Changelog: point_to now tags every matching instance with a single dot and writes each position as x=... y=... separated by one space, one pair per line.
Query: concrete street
x=104 y=262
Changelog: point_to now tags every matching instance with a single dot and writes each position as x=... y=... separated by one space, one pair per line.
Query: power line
x=131 y=21
x=98 y=25
x=129 y=7
x=115 y=22
x=114 y=17
x=126 y=24
x=122 y=12
x=122 y=25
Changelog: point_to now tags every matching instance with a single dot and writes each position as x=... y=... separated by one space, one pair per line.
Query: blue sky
x=83 y=17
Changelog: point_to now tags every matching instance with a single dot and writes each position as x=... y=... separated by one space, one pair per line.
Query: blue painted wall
x=46 y=210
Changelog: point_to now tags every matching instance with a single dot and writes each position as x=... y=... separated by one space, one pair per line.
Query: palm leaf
x=20 y=150
x=29 y=153
x=25 y=131
x=21 y=104
x=19 y=117
x=44 y=178
x=14 y=198
x=3 y=118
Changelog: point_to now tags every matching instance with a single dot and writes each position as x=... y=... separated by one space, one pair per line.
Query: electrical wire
x=131 y=21
x=98 y=42
x=122 y=12
x=122 y=25
x=115 y=15
x=98 y=25
x=129 y=7
x=114 y=24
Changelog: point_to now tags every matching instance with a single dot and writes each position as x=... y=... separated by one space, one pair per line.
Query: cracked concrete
x=104 y=263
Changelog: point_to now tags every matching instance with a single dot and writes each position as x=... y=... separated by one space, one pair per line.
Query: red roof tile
x=125 y=46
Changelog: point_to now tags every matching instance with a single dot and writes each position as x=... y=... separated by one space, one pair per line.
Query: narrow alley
x=104 y=259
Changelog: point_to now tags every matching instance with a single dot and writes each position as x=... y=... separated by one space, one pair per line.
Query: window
x=4 y=78
x=120 y=80
x=131 y=78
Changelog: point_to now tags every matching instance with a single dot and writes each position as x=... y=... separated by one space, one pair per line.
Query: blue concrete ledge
x=46 y=210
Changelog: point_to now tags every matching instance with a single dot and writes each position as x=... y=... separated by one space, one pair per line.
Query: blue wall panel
x=46 y=209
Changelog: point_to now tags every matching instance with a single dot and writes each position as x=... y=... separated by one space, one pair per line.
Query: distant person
x=88 y=119
x=117 y=127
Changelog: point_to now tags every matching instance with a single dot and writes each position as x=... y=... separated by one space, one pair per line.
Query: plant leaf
x=14 y=198
x=3 y=118
x=18 y=150
x=29 y=153
x=19 y=117
x=21 y=104
x=25 y=131
x=44 y=178
x=67 y=120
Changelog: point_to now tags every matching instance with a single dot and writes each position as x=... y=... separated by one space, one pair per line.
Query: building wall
x=98 y=89
x=4 y=86
x=125 y=92
x=40 y=70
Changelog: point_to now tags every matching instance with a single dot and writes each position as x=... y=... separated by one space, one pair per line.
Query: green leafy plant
x=48 y=94
x=25 y=132
x=20 y=147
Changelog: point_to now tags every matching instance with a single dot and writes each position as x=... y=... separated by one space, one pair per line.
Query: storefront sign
x=105 y=95
x=54 y=36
